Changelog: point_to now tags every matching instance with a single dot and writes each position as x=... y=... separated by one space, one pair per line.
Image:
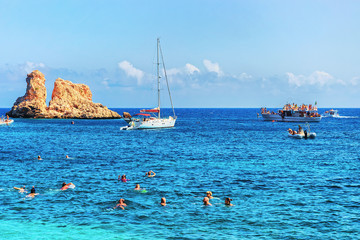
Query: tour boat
x=292 y=113
x=151 y=118
x=331 y=113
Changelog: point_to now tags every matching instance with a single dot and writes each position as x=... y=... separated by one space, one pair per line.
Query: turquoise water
x=282 y=188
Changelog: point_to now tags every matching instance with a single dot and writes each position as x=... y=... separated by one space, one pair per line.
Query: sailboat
x=151 y=118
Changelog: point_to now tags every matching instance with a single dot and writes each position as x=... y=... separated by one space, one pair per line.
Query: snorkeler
x=209 y=194
x=150 y=174
x=228 y=202
x=206 y=201
x=121 y=204
x=163 y=201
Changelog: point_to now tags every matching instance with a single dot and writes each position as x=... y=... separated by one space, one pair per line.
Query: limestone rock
x=33 y=103
x=68 y=100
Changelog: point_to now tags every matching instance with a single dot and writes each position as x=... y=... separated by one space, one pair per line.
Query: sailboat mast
x=158 y=75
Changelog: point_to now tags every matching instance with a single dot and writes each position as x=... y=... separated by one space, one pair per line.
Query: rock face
x=68 y=100
x=33 y=103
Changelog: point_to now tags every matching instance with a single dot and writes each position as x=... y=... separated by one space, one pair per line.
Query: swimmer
x=39 y=158
x=137 y=187
x=32 y=192
x=67 y=156
x=123 y=178
x=66 y=185
x=21 y=189
x=150 y=174
x=206 y=201
x=121 y=204
x=209 y=194
x=228 y=202
x=72 y=122
x=163 y=201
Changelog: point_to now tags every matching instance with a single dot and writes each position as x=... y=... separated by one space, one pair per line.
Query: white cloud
x=355 y=81
x=319 y=78
x=212 y=67
x=131 y=71
x=191 y=69
x=30 y=66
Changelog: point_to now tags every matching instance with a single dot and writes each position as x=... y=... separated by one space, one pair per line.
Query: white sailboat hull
x=154 y=123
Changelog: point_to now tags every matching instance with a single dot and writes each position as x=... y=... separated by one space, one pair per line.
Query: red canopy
x=150 y=110
x=143 y=114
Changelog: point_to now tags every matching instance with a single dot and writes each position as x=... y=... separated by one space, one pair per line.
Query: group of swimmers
x=33 y=193
x=206 y=200
x=122 y=178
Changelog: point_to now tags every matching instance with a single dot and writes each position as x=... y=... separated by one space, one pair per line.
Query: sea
x=281 y=187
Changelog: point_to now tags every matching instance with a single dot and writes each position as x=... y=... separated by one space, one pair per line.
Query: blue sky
x=217 y=53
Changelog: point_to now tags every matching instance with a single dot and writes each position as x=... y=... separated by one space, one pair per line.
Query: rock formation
x=33 y=103
x=68 y=100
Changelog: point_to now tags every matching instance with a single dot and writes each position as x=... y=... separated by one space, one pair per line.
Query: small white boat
x=331 y=113
x=302 y=133
x=151 y=118
x=6 y=122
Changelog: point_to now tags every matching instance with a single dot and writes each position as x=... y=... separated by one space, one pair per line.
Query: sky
x=217 y=53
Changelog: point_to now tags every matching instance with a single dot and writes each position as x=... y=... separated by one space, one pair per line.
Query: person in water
x=228 y=202
x=123 y=178
x=209 y=194
x=66 y=185
x=137 y=187
x=163 y=201
x=150 y=174
x=67 y=156
x=121 y=204
x=39 y=158
x=32 y=192
x=22 y=189
x=206 y=201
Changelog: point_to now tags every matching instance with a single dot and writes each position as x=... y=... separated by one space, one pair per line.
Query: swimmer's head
x=64 y=183
x=206 y=200
x=208 y=193
x=39 y=157
x=228 y=201
x=67 y=156
x=121 y=200
x=163 y=200
x=137 y=185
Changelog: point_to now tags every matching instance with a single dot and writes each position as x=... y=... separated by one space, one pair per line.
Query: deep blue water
x=282 y=188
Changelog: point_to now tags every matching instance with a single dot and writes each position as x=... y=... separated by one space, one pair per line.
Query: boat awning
x=143 y=114
x=154 y=110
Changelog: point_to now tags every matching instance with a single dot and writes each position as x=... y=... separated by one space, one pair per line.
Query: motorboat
x=151 y=118
x=301 y=133
x=331 y=113
x=292 y=113
x=6 y=121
